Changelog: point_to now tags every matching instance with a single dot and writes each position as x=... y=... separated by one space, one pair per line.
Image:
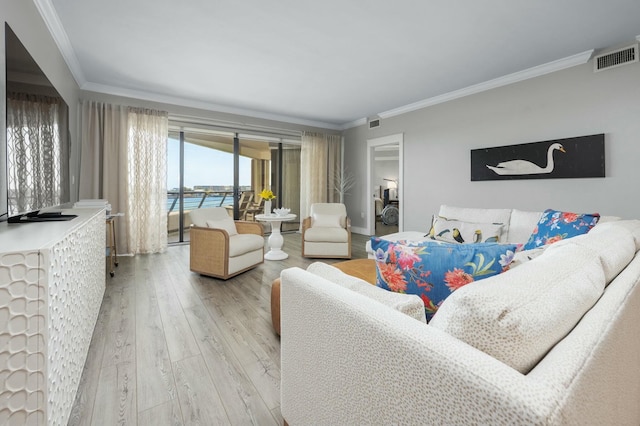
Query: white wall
x=568 y=103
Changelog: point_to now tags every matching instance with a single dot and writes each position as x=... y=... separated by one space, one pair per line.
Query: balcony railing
x=194 y=200
x=198 y=199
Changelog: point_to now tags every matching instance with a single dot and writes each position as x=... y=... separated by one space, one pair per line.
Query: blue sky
x=203 y=166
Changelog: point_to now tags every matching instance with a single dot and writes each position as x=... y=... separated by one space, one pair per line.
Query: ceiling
x=328 y=63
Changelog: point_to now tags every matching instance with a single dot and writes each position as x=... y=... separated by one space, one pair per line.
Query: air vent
x=374 y=123
x=617 y=58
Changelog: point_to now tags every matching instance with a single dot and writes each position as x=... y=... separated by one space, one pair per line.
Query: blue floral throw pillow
x=434 y=269
x=554 y=226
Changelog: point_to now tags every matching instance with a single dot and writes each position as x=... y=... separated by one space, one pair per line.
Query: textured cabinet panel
x=21 y=339
x=49 y=302
x=75 y=293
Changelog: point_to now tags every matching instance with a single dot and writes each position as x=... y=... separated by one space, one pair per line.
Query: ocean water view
x=193 y=202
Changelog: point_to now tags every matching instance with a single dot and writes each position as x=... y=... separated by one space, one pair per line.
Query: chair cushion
x=199 y=217
x=333 y=209
x=226 y=224
x=555 y=225
x=243 y=243
x=326 y=220
x=326 y=235
x=435 y=269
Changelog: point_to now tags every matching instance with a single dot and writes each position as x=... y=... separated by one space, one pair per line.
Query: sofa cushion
x=434 y=269
x=613 y=242
x=326 y=235
x=478 y=215
x=517 y=317
x=456 y=231
x=226 y=224
x=555 y=225
x=521 y=224
x=406 y=303
x=244 y=243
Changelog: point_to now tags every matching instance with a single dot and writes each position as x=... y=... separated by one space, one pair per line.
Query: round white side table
x=275 y=239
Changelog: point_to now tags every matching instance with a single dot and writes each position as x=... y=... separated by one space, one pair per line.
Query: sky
x=203 y=166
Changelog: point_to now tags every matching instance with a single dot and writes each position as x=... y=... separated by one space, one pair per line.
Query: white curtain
x=320 y=158
x=37 y=152
x=147 y=181
x=115 y=139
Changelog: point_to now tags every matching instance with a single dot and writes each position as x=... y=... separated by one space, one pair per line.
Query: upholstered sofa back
x=370 y=364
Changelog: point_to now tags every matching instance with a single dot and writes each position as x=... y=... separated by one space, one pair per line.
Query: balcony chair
x=245 y=201
x=327 y=232
x=254 y=209
x=222 y=247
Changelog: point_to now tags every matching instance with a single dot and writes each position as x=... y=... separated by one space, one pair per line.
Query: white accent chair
x=222 y=247
x=327 y=232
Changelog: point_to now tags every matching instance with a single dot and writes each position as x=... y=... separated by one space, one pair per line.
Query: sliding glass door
x=201 y=173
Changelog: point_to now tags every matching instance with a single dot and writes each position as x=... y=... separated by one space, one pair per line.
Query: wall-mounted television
x=34 y=171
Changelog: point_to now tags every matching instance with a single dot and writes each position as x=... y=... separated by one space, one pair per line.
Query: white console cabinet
x=52 y=279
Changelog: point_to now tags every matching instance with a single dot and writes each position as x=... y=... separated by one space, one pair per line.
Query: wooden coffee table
x=365 y=269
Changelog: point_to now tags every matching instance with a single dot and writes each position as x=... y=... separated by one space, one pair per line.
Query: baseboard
x=361 y=231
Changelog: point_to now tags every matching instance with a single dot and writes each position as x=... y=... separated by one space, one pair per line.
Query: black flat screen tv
x=35 y=148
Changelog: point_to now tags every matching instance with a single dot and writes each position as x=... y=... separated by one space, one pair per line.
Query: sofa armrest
x=347 y=359
x=246 y=227
x=209 y=249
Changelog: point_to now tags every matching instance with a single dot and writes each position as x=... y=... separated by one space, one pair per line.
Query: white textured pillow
x=326 y=220
x=227 y=224
x=453 y=231
x=518 y=316
x=408 y=304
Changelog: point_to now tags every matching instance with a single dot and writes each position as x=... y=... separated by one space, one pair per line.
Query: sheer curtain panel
x=147 y=180
x=320 y=157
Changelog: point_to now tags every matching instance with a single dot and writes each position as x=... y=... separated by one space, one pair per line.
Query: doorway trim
x=371 y=145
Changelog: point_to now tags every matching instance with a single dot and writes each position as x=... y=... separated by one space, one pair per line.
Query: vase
x=267 y=207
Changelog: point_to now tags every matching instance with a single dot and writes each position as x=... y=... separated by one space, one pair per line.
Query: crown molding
x=175 y=100
x=354 y=123
x=560 y=64
x=52 y=21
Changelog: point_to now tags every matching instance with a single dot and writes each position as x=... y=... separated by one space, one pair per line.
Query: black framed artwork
x=579 y=157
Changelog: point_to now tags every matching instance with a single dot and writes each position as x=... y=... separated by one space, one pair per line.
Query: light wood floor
x=172 y=347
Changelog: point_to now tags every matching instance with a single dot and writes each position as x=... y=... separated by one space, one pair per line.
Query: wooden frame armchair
x=326 y=233
x=221 y=247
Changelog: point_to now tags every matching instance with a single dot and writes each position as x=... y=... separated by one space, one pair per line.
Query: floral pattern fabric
x=434 y=269
x=556 y=225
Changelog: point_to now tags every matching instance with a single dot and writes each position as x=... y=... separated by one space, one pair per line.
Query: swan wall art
x=524 y=167
x=565 y=158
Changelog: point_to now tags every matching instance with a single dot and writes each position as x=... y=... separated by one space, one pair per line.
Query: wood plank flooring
x=172 y=347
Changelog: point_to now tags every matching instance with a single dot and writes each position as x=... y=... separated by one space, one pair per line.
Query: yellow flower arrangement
x=267 y=194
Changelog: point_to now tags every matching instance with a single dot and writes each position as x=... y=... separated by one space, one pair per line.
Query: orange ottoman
x=365 y=269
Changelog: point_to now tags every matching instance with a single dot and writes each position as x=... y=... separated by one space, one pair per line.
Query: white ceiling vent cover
x=374 y=123
x=624 y=56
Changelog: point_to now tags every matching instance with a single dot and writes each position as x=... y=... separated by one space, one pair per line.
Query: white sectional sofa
x=554 y=341
x=518 y=224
